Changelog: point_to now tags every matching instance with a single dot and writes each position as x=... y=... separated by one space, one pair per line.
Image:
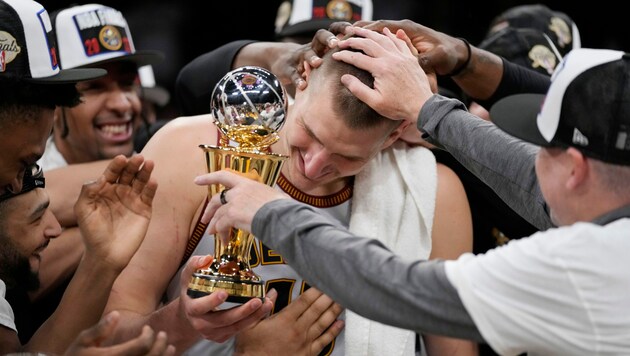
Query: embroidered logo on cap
x=102 y=31
x=579 y=138
x=9 y=49
x=542 y=57
x=339 y=10
x=561 y=29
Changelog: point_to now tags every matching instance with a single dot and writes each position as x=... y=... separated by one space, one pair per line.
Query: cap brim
x=157 y=95
x=69 y=76
x=305 y=28
x=517 y=114
x=140 y=58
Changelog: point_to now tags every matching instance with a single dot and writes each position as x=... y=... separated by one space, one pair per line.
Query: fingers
x=131 y=169
x=101 y=331
x=147 y=343
x=328 y=335
x=115 y=168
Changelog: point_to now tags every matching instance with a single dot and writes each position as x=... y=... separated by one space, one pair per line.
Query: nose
x=120 y=99
x=53 y=228
x=317 y=163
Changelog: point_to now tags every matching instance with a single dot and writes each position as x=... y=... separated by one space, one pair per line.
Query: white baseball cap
x=93 y=34
x=27 y=46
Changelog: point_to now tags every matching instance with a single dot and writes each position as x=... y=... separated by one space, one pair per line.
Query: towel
x=394 y=202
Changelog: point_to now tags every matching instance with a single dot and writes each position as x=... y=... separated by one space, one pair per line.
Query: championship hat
x=305 y=17
x=27 y=46
x=94 y=34
x=557 y=25
x=527 y=47
x=587 y=107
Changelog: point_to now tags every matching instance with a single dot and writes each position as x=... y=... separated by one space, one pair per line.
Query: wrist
x=462 y=67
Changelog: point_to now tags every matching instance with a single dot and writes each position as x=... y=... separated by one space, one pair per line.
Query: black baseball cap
x=557 y=25
x=27 y=46
x=33 y=178
x=587 y=107
x=527 y=47
x=305 y=17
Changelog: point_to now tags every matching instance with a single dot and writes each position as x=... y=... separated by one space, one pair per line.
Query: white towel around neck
x=394 y=202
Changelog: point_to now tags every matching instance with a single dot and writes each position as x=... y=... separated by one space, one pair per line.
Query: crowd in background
x=184 y=30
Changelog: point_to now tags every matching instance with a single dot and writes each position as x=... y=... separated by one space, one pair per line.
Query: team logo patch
x=542 y=57
x=9 y=49
x=562 y=30
x=339 y=10
x=110 y=38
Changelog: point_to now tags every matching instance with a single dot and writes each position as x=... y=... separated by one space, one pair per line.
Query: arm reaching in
x=113 y=214
x=248 y=193
x=90 y=341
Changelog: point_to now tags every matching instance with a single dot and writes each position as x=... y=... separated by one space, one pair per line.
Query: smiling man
x=97 y=36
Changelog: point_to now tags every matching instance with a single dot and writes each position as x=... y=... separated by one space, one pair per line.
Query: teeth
x=114 y=129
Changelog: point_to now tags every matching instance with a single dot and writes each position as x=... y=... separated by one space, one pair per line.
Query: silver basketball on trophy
x=249 y=106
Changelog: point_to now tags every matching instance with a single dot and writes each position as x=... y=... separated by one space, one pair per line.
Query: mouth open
x=116 y=132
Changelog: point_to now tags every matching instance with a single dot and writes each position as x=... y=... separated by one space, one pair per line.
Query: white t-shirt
x=6 y=313
x=565 y=291
x=52 y=158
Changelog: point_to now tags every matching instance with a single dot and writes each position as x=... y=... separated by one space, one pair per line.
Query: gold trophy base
x=238 y=291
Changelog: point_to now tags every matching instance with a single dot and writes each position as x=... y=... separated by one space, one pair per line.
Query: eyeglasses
x=33 y=178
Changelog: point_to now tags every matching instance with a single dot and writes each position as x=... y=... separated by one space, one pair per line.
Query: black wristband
x=457 y=71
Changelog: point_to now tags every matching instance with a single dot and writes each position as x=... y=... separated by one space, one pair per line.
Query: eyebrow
x=38 y=211
x=314 y=137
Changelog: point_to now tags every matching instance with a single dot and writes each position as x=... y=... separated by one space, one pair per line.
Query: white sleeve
x=6 y=313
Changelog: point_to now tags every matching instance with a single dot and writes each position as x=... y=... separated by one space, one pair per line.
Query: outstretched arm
x=311 y=239
x=113 y=214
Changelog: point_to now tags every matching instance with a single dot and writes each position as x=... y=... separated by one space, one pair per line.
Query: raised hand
x=113 y=212
x=90 y=341
x=304 y=327
x=400 y=85
x=438 y=52
x=202 y=313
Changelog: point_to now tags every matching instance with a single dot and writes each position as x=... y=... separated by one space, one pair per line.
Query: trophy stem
x=230 y=269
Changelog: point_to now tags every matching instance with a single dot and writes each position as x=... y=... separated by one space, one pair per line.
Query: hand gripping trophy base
x=230 y=269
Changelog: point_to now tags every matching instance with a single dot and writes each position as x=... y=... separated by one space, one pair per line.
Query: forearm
x=261 y=54
x=503 y=162
x=81 y=307
x=413 y=295
x=197 y=79
x=483 y=75
x=165 y=318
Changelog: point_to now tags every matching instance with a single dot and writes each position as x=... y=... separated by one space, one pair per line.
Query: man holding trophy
x=338 y=149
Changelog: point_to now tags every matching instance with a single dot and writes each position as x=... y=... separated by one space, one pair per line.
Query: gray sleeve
x=361 y=274
x=503 y=162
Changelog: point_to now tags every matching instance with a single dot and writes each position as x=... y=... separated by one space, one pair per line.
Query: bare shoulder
x=447 y=177
x=184 y=131
x=451 y=196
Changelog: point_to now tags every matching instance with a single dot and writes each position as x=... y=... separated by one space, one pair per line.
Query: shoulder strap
x=195 y=237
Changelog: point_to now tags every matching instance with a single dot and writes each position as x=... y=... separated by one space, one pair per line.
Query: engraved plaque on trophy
x=248 y=106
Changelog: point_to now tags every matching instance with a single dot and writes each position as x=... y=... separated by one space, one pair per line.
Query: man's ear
x=307 y=71
x=395 y=134
x=579 y=168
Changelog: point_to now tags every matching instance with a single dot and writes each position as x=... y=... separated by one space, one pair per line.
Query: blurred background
x=185 y=29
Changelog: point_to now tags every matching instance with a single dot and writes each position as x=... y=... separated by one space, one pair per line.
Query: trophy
x=248 y=105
